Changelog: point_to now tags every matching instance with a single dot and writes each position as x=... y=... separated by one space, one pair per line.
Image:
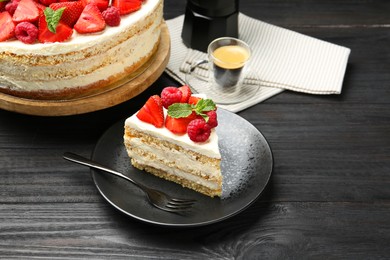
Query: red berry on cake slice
x=152 y=112
x=178 y=125
x=193 y=100
x=127 y=6
x=170 y=95
x=71 y=13
x=26 y=11
x=198 y=130
x=91 y=20
x=186 y=93
x=7 y=26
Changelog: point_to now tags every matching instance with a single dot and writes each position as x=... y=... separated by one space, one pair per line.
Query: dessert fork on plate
x=157 y=198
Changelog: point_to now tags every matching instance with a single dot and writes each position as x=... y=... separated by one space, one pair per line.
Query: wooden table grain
x=328 y=198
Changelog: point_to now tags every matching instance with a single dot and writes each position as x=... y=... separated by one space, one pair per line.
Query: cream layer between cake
x=84 y=60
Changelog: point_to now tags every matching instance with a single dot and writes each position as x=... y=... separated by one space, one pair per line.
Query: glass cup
x=228 y=62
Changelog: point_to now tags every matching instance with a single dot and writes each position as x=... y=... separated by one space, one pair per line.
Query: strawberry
x=127 y=6
x=63 y=32
x=7 y=26
x=26 y=11
x=178 y=125
x=193 y=100
x=152 y=112
x=186 y=93
x=71 y=13
x=101 y=4
x=91 y=20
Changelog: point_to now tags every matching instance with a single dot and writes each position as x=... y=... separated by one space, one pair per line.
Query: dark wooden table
x=329 y=195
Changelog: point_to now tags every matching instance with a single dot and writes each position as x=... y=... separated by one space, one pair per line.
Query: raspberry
x=170 y=95
x=26 y=32
x=213 y=122
x=112 y=16
x=11 y=6
x=198 y=130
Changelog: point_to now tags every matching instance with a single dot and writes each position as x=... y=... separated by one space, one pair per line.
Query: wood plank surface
x=328 y=198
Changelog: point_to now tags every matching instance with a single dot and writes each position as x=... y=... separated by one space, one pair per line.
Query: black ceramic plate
x=246 y=168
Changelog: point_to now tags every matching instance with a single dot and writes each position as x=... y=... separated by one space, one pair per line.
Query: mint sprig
x=179 y=110
x=53 y=18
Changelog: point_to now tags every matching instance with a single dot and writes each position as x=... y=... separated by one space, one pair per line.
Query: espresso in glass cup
x=227 y=62
x=228 y=59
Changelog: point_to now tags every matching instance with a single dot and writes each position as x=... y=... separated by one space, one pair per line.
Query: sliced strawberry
x=152 y=112
x=193 y=100
x=127 y=6
x=91 y=20
x=63 y=32
x=178 y=125
x=71 y=13
x=186 y=93
x=26 y=11
x=101 y=4
x=7 y=26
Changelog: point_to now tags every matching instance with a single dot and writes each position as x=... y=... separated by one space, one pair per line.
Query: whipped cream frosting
x=208 y=148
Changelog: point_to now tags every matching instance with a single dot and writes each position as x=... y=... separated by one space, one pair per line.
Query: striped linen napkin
x=282 y=59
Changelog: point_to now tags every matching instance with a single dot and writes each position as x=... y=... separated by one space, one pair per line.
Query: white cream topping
x=208 y=148
x=79 y=41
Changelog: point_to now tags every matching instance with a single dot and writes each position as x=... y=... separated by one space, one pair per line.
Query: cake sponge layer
x=172 y=162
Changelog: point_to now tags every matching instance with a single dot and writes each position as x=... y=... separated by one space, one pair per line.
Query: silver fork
x=157 y=198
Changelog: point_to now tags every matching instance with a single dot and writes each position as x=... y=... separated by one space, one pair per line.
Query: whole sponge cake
x=85 y=63
x=179 y=148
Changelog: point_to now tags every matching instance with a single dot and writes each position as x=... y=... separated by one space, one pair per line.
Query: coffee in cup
x=228 y=62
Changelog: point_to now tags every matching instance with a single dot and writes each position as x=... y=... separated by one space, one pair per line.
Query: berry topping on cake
x=193 y=100
x=84 y=16
x=182 y=117
x=26 y=32
x=71 y=12
x=91 y=20
x=170 y=95
x=127 y=6
x=7 y=26
x=11 y=6
x=101 y=4
x=212 y=121
x=152 y=112
x=51 y=29
x=26 y=11
x=186 y=93
x=178 y=125
x=112 y=16
x=198 y=130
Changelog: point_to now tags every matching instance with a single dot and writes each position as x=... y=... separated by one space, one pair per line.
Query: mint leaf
x=204 y=105
x=178 y=110
x=53 y=18
x=3 y=1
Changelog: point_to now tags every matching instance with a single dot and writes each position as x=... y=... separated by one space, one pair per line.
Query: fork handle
x=88 y=162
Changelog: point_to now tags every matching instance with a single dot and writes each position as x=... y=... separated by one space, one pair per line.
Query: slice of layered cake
x=174 y=137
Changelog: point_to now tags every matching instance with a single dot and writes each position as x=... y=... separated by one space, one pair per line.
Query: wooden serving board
x=124 y=90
